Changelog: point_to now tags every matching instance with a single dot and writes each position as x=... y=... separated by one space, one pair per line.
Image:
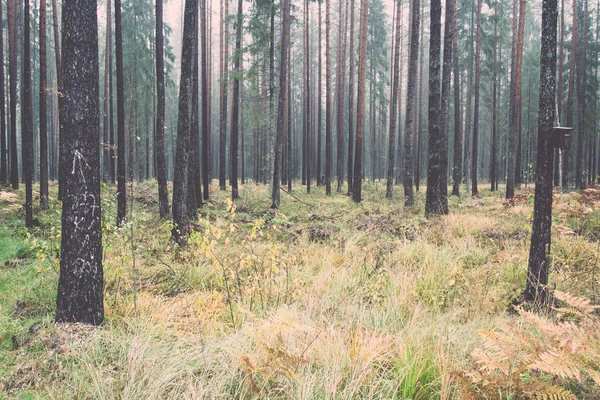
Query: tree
x=571 y=94
x=394 y=104
x=475 y=137
x=320 y=104
x=539 y=252
x=360 y=99
x=235 y=106
x=340 y=83
x=205 y=107
x=436 y=200
x=27 y=117
x=161 y=169
x=181 y=189
x=224 y=54
x=409 y=199
x=328 y=110
x=581 y=60
x=121 y=191
x=350 y=154
x=3 y=143
x=59 y=97
x=307 y=116
x=105 y=112
x=43 y=108
x=457 y=172
x=282 y=105
x=12 y=72
x=80 y=286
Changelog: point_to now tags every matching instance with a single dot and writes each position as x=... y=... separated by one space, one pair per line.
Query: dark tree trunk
x=537 y=276
x=27 y=117
x=571 y=95
x=105 y=110
x=161 y=168
x=43 y=109
x=581 y=100
x=394 y=104
x=328 y=110
x=436 y=200
x=58 y=63
x=419 y=131
x=350 y=102
x=205 y=105
x=320 y=107
x=181 y=189
x=409 y=199
x=559 y=86
x=121 y=191
x=494 y=131
x=281 y=107
x=224 y=53
x=235 y=106
x=475 y=138
x=12 y=70
x=340 y=83
x=307 y=116
x=360 y=100
x=3 y=138
x=457 y=173
x=80 y=286
x=195 y=189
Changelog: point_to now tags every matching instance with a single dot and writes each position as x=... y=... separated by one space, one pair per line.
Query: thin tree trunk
x=121 y=191
x=163 y=193
x=235 y=107
x=571 y=95
x=328 y=110
x=12 y=69
x=474 y=159
x=27 y=117
x=409 y=199
x=281 y=107
x=581 y=100
x=43 y=109
x=457 y=172
x=394 y=104
x=360 y=100
x=205 y=106
x=224 y=51
x=3 y=137
x=307 y=117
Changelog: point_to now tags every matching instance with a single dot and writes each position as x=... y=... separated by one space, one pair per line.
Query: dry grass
x=332 y=301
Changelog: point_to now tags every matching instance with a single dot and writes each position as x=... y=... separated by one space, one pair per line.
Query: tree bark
x=12 y=70
x=537 y=275
x=27 y=117
x=205 y=105
x=282 y=104
x=360 y=100
x=161 y=169
x=224 y=52
x=3 y=137
x=409 y=199
x=43 y=109
x=457 y=172
x=474 y=152
x=235 y=107
x=121 y=191
x=328 y=110
x=80 y=286
x=394 y=105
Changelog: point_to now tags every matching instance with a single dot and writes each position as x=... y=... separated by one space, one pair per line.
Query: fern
x=518 y=358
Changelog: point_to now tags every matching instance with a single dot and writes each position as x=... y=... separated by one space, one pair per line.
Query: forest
x=299 y=199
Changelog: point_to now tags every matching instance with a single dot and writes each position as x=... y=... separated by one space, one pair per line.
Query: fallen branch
x=303 y=202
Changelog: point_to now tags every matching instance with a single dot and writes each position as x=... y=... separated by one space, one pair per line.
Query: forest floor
x=323 y=298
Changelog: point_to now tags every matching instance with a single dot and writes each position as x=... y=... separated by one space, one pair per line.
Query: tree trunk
x=163 y=193
x=43 y=109
x=307 y=116
x=581 y=100
x=3 y=137
x=474 y=153
x=394 y=105
x=328 y=110
x=181 y=189
x=559 y=86
x=12 y=70
x=80 y=286
x=436 y=201
x=537 y=276
x=494 y=132
x=351 y=103
x=340 y=83
x=571 y=96
x=281 y=107
x=235 y=107
x=457 y=173
x=27 y=117
x=224 y=52
x=121 y=191
x=205 y=105
x=360 y=100
x=409 y=199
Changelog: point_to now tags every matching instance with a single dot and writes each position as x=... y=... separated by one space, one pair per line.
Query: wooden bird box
x=561 y=137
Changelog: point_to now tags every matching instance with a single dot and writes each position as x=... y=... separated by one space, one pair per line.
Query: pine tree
x=80 y=286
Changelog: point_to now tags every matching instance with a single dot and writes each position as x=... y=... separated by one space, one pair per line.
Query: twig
x=303 y=202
